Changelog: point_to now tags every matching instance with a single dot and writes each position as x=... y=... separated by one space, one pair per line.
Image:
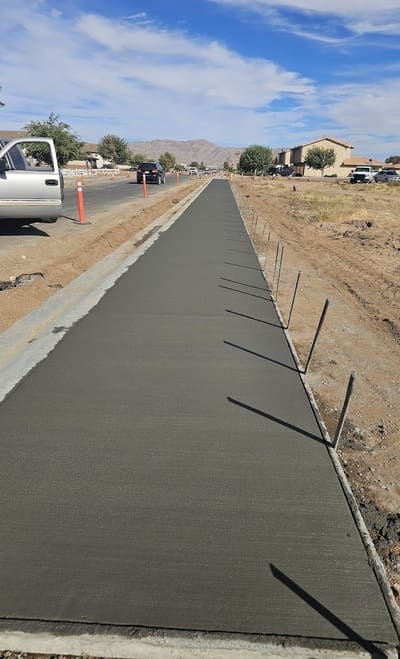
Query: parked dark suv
x=153 y=170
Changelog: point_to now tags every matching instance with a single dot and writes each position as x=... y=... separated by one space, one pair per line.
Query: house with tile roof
x=296 y=155
x=358 y=161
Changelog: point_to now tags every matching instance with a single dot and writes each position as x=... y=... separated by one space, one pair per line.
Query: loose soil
x=49 y=262
x=345 y=241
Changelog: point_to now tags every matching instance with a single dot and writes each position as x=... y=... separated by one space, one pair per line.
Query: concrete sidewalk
x=164 y=468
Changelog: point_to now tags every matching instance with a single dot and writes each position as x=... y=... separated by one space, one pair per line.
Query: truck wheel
x=49 y=220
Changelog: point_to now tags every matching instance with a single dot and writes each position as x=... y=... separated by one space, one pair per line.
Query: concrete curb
x=162 y=644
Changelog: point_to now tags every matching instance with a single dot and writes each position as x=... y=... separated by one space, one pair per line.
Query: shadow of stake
x=350 y=633
x=281 y=422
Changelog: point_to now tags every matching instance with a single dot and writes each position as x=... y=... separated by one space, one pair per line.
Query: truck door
x=31 y=184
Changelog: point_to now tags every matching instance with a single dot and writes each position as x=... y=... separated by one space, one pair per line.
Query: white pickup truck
x=30 y=191
x=363 y=174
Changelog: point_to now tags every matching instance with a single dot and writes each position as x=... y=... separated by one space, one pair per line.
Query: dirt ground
x=345 y=241
x=74 y=249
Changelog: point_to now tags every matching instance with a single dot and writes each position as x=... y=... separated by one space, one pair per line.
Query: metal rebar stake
x=266 y=249
x=263 y=231
x=253 y=220
x=293 y=299
x=255 y=227
x=275 y=264
x=321 y=321
x=279 y=273
x=344 y=409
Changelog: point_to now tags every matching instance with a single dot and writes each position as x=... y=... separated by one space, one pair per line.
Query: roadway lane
x=103 y=193
x=100 y=195
x=163 y=467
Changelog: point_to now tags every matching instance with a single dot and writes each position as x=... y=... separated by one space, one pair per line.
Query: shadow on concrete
x=350 y=633
x=257 y=320
x=238 y=265
x=257 y=354
x=241 y=283
x=241 y=251
x=281 y=422
x=20 y=228
x=236 y=290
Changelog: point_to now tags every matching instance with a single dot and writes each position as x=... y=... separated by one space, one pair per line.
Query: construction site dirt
x=345 y=242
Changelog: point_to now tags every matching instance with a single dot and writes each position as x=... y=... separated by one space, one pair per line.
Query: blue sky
x=235 y=72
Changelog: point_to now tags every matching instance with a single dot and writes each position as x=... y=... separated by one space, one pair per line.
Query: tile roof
x=362 y=160
x=327 y=137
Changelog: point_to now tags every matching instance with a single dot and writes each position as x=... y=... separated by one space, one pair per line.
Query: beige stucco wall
x=342 y=152
x=284 y=157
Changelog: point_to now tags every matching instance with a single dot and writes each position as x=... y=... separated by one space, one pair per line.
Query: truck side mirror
x=3 y=165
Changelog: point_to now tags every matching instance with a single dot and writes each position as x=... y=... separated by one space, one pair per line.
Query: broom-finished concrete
x=163 y=467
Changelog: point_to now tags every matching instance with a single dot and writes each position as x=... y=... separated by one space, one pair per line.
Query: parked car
x=387 y=176
x=287 y=171
x=153 y=170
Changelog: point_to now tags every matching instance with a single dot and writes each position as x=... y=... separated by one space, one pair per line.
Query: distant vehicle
x=287 y=171
x=29 y=191
x=388 y=176
x=153 y=171
x=193 y=171
x=96 y=161
x=362 y=174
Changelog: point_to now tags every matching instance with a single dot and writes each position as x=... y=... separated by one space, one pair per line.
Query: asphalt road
x=104 y=193
x=163 y=467
x=100 y=195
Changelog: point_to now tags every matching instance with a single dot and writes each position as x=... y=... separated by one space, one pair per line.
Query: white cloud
x=142 y=82
x=358 y=16
x=97 y=71
x=360 y=113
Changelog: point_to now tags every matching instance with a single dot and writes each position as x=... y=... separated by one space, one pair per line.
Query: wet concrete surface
x=163 y=467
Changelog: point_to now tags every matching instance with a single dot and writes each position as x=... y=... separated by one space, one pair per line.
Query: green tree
x=256 y=159
x=167 y=160
x=227 y=166
x=194 y=164
x=68 y=144
x=136 y=158
x=319 y=158
x=393 y=159
x=114 y=148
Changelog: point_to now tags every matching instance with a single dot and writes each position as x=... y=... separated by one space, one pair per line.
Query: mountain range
x=187 y=151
